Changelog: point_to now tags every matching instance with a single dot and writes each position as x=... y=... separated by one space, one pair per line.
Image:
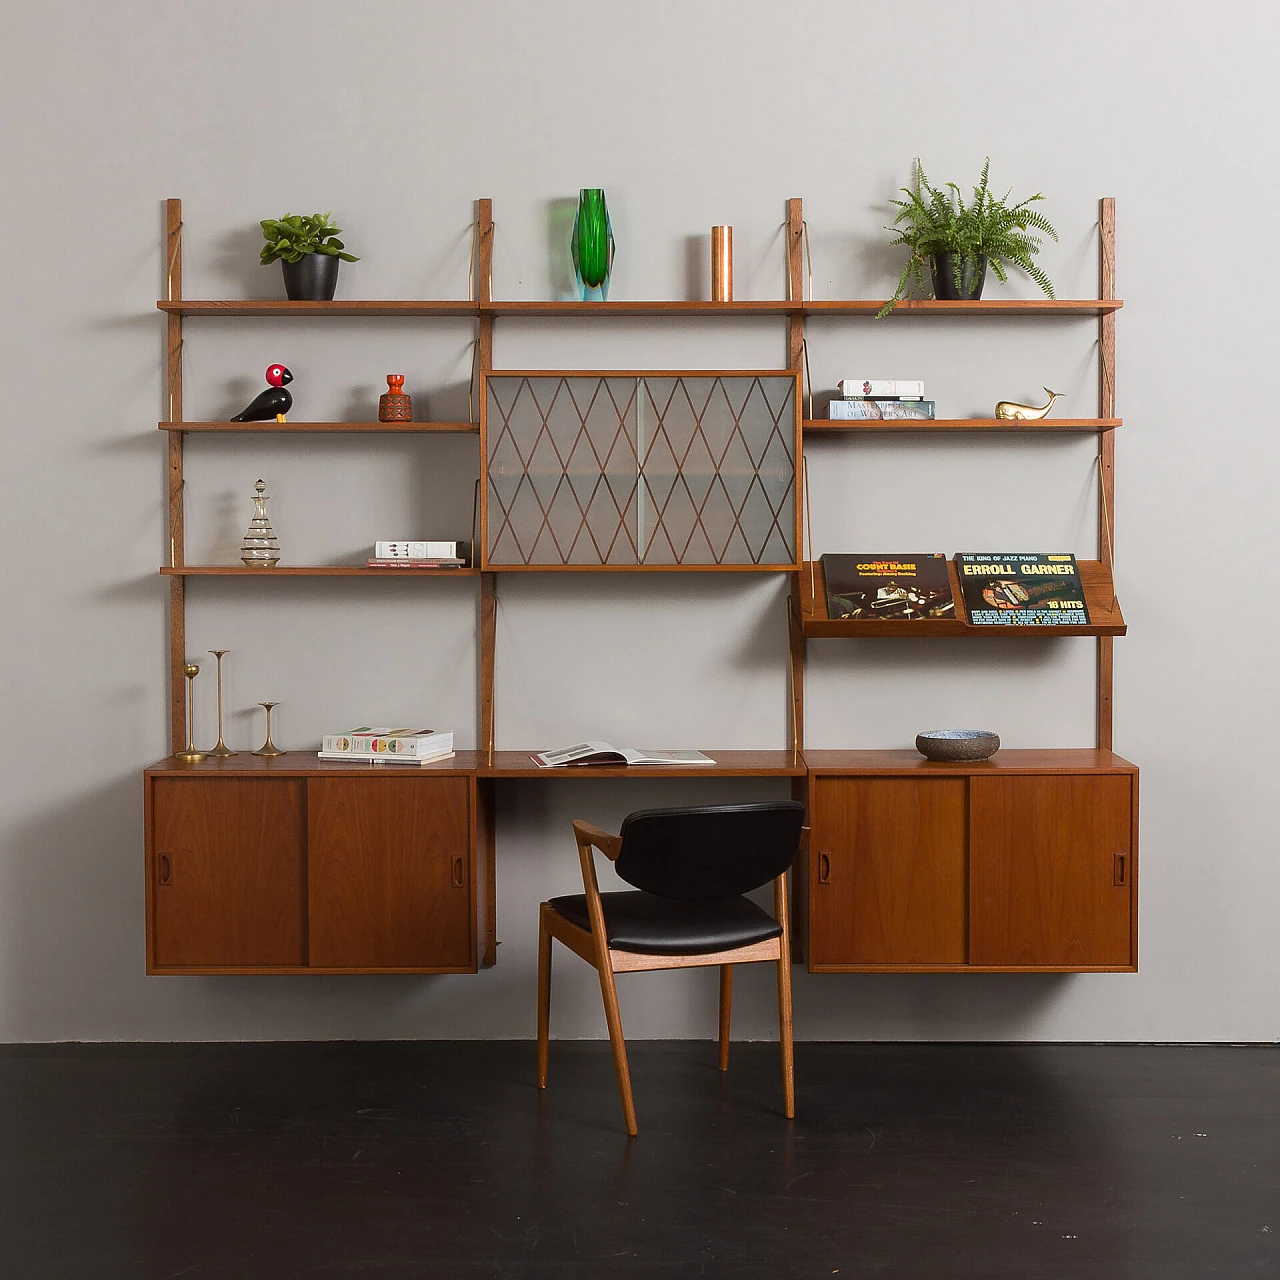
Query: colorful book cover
x=388 y=742
x=1022 y=590
x=898 y=587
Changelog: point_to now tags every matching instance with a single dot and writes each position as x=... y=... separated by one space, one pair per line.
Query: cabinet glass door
x=640 y=470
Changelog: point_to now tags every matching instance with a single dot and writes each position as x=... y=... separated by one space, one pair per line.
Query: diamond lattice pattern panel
x=601 y=469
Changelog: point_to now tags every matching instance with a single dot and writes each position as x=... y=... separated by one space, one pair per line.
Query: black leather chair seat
x=637 y=921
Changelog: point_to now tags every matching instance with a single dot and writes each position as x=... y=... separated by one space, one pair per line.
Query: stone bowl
x=958 y=744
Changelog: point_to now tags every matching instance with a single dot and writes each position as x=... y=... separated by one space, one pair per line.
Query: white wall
x=396 y=116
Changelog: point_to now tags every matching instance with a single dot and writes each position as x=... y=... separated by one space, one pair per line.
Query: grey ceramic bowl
x=958 y=744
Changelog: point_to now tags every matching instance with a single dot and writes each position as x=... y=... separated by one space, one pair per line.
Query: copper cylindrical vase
x=721 y=264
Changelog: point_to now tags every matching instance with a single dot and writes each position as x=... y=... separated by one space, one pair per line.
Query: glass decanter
x=260 y=550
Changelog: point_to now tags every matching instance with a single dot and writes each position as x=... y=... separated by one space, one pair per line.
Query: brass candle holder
x=268 y=748
x=190 y=755
x=721 y=264
x=221 y=750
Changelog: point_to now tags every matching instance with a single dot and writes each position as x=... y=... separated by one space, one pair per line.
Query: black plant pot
x=313 y=278
x=973 y=273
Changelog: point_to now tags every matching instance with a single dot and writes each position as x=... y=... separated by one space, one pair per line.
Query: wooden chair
x=690 y=868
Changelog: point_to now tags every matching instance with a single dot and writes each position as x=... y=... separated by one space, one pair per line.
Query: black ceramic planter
x=313 y=278
x=973 y=273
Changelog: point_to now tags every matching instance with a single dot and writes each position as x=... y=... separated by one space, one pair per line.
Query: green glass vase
x=592 y=245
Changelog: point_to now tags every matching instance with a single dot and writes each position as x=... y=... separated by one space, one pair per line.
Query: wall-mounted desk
x=1026 y=862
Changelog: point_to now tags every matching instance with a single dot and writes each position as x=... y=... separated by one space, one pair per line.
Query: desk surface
x=728 y=764
x=506 y=764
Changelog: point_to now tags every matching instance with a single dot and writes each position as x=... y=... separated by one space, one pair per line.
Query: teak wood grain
x=381 y=309
x=1106 y=451
x=176 y=541
x=310 y=571
x=227 y=866
x=311 y=428
x=1060 y=760
x=887 y=871
x=306 y=764
x=1052 y=871
x=418 y=308
x=846 y=426
x=389 y=872
x=728 y=764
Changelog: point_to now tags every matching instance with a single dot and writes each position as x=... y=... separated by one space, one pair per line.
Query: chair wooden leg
x=544 y=995
x=726 y=1005
x=613 y=1016
x=784 y=1033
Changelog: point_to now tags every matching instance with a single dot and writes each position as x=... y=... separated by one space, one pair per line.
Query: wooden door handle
x=1120 y=869
x=824 y=867
x=165 y=869
x=458 y=872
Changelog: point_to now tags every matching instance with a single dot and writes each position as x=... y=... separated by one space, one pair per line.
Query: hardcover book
x=351 y=757
x=1022 y=590
x=848 y=410
x=375 y=562
x=897 y=587
x=882 y=388
x=417 y=549
x=372 y=743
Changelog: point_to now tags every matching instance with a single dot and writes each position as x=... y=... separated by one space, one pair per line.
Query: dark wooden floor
x=442 y=1160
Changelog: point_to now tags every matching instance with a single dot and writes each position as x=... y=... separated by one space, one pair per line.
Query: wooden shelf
x=728 y=764
x=1095 y=577
x=882 y=764
x=308 y=571
x=275 y=307
x=617 y=307
x=389 y=428
x=981 y=307
x=271 y=307
x=302 y=764
x=833 y=426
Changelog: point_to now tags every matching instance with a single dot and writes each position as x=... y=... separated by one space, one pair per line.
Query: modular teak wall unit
x=1025 y=862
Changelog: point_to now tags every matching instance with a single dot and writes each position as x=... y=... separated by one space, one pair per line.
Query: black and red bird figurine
x=274 y=402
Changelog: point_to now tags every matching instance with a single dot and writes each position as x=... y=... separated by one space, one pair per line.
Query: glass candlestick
x=221 y=750
x=268 y=748
x=190 y=755
x=260 y=550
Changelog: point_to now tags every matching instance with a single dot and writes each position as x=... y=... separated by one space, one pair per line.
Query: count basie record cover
x=894 y=587
x=1022 y=589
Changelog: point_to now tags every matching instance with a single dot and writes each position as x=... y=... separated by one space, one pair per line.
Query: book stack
x=418 y=555
x=881 y=398
x=371 y=745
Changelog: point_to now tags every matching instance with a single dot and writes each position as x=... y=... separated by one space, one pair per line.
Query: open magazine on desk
x=602 y=753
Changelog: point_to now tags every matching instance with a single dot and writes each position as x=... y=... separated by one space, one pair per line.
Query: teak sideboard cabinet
x=1024 y=864
x=315 y=869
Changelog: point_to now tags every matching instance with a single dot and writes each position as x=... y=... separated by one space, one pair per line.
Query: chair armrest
x=589 y=835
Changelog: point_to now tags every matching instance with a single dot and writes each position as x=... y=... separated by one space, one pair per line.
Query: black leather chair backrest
x=711 y=852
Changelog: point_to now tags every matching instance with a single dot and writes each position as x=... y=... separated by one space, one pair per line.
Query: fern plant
x=932 y=221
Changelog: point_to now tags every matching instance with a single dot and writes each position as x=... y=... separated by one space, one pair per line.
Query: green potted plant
x=309 y=251
x=958 y=240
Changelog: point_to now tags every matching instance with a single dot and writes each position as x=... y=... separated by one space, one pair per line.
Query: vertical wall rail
x=796 y=363
x=488 y=581
x=1106 y=449
x=176 y=541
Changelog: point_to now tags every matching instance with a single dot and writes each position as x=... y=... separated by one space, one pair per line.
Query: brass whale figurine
x=1011 y=412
